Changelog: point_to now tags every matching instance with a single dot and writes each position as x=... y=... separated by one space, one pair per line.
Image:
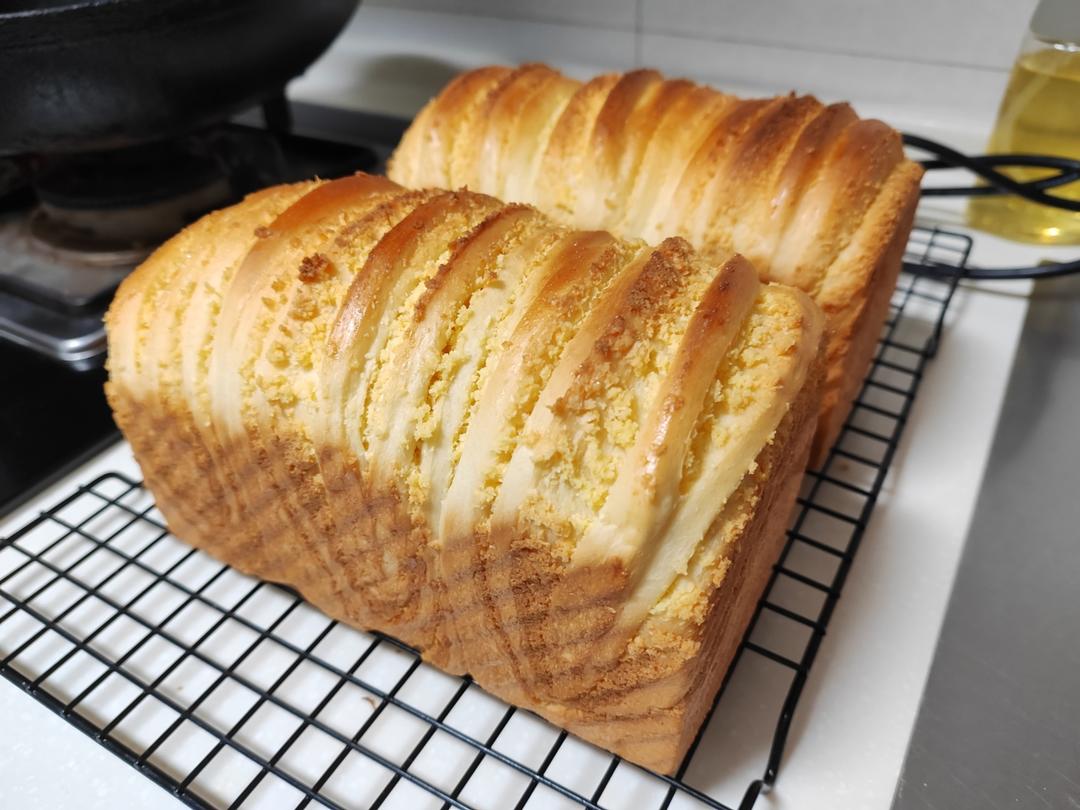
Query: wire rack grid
x=231 y=692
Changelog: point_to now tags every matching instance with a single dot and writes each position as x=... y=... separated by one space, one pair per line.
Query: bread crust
x=550 y=459
x=814 y=196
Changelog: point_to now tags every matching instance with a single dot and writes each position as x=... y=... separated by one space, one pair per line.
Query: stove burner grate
x=98 y=215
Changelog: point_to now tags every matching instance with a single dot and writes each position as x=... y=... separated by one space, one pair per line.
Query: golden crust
x=810 y=194
x=554 y=460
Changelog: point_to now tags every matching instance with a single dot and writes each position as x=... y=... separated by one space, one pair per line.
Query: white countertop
x=858 y=708
x=44 y=762
x=856 y=714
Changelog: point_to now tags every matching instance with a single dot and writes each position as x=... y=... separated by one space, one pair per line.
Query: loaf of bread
x=810 y=194
x=558 y=461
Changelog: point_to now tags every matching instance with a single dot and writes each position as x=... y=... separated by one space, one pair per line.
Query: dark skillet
x=100 y=74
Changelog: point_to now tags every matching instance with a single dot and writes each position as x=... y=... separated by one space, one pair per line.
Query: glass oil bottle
x=1039 y=114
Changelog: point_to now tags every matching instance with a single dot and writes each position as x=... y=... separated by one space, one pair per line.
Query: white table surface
x=855 y=716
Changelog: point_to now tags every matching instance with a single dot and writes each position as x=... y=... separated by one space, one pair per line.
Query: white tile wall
x=938 y=64
x=975 y=33
x=907 y=94
x=393 y=60
x=618 y=14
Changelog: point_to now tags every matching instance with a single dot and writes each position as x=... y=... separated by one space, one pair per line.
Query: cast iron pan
x=100 y=74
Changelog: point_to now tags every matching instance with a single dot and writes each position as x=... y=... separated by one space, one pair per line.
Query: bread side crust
x=654 y=723
x=854 y=332
x=647 y=711
x=650 y=722
x=360 y=547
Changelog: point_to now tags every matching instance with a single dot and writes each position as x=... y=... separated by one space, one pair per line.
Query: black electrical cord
x=985 y=166
x=1048 y=270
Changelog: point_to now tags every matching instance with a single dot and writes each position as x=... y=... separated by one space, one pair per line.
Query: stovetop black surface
x=50 y=416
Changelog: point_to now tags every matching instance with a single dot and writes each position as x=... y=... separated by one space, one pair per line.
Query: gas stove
x=73 y=226
x=83 y=222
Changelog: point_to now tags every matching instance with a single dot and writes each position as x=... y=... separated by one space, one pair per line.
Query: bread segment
x=794 y=185
x=170 y=306
x=552 y=459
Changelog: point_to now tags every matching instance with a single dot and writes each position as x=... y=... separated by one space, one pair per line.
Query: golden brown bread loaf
x=557 y=461
x=810 y=194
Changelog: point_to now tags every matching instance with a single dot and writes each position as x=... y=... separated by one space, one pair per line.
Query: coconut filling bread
x=555 y=460
x=812 y=195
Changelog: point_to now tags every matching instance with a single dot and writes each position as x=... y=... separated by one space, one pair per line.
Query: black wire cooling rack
x=231 y=692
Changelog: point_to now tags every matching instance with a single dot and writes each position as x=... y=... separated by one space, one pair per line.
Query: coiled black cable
x=985 y=167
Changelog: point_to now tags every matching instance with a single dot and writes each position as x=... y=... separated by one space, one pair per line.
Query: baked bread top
x=495 y=369
x=811 y=194
x=785 y=181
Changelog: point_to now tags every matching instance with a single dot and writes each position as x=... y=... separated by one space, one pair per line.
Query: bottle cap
x=1057 y=21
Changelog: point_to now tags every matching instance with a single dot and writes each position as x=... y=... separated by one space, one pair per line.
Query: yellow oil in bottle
x=1040 y=114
